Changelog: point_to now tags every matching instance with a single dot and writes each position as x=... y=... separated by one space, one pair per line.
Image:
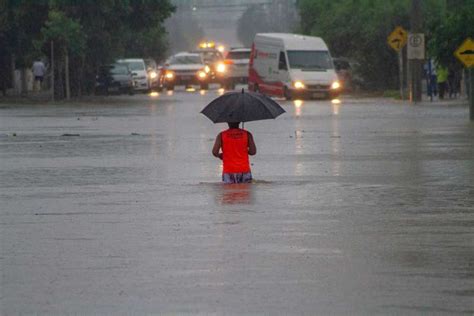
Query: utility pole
x=415 y=65
x=66 y=72
x=52 y=71
x=471 y=93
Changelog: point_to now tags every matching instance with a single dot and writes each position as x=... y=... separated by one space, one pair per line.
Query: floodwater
x=363 y=206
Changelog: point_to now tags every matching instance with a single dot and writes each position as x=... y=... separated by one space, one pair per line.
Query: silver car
x=139 y=73
x=237 y=64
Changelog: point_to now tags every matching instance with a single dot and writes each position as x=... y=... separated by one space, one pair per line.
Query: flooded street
x=360 y=207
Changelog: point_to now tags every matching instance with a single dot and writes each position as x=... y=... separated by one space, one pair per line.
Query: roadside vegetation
x=358 y=30
x=275 y=16
x=84 y=35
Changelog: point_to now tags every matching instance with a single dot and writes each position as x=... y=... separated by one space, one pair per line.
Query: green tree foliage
x=449 y=29
x=96 y=32
x=358 y=29
x=65 y=32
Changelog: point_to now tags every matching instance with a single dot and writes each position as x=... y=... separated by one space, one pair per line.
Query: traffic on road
x=284 y=65
x=209 y=157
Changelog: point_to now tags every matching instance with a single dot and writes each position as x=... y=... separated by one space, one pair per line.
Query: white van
x=139 y=73
x=292 y=66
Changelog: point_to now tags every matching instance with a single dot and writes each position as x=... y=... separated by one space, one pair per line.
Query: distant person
x=454 y=83
x=236 y=144
x=451 y=82
x=466 y=82
x=39 y=70
x=442 y=79
x=430 y=71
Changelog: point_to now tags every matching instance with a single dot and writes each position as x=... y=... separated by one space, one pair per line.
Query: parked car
x=115 y=78
x=185 y=69
x=138 y=68
x=153 y=74
x=237 y=67
x=215 y=60
x=346 y=70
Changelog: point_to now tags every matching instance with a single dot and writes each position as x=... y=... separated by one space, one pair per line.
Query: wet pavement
x=360 y=207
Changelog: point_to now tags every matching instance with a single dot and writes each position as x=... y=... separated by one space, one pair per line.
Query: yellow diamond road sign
x=465 y=52
x=398 y=38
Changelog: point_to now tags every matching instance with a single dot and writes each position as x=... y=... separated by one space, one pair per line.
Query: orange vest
x=235 y=142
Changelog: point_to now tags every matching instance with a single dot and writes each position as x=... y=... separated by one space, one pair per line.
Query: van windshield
x=309 y=59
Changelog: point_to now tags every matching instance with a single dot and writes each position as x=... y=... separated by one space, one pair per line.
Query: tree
x=358 y=29
x=114 y=29
x=20 y=23
x=93 y=33
x=449 y=29
x=68 y=39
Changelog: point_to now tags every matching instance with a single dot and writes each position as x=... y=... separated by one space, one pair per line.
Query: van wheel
x=287 y=94
x=170 y=87
x=204 y=86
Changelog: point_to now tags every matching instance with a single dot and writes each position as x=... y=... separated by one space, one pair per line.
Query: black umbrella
x=242 y=107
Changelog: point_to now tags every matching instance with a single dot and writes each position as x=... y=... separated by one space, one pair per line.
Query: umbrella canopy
x=242 y=107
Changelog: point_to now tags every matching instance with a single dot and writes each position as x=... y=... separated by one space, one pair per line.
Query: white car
x=139 y=73
x=185 y=69
x=237 y=64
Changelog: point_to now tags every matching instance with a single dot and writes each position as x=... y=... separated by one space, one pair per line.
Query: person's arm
x=217 y=147
x=252 y=147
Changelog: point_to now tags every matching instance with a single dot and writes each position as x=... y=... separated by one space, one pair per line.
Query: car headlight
x=335 y=85
x=298 y=85
x=153 y=74
x=220 y=68
x=169 y=75
x=207 y=69
x=202 y=74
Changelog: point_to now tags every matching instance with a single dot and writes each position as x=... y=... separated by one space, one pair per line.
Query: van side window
x=282 y=62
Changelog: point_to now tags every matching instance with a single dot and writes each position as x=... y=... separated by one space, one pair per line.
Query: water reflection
x=299 y=165
x=335 y=142
x=220 y=91
x=335 y=106
x=202 y=92
x=241 y=193
x=190 y=89
x=154 y=94
x=298 y=104
x=169 y=92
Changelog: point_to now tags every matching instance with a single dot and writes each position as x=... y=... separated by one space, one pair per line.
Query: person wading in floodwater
x=236 y=144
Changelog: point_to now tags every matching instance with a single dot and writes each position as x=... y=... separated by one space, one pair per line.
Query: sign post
x=471 y=93
x=397 y=40
x=465 y=53
x=415 y=53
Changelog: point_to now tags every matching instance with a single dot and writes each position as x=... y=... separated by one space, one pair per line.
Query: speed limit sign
x=416 y=46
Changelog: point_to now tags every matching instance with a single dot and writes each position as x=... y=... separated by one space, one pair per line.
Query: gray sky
x=219 y=24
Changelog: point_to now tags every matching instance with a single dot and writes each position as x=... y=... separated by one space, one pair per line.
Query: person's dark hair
x=233 y=124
